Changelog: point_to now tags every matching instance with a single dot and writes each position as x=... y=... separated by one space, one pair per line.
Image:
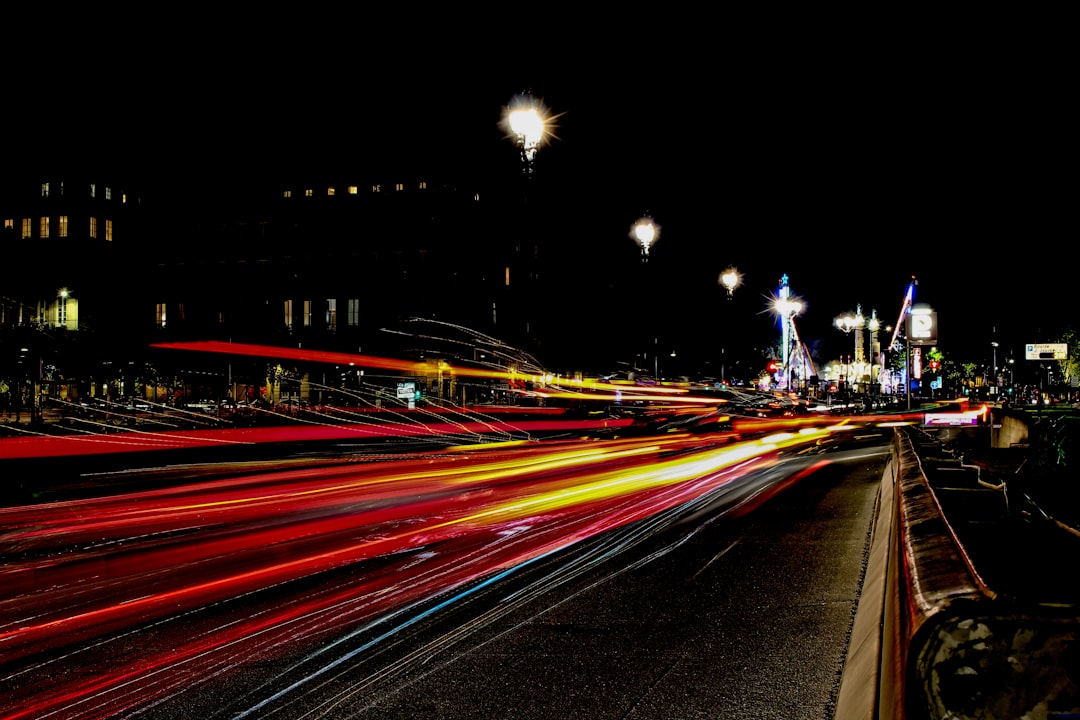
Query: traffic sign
x=922 y=327
x=1046 y=351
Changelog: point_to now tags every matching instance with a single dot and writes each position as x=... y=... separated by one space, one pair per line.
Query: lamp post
x=853 y=324
x=730 y=279
x=645 y=232
x=786 y=306
x=864 y=358
x=528 y=122
x=872 y=347
x=993 y=368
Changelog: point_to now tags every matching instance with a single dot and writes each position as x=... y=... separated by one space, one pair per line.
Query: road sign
x=922 y=326
x=1046 y=351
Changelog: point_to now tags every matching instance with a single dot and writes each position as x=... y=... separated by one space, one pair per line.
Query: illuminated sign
x=952 y=419
x=1046 y=351
x=922 y=326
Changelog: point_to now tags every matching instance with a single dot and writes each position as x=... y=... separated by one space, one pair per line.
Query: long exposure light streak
x=80 y=576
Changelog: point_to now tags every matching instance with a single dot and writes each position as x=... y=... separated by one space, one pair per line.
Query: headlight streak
x=547 y=501
x=55 y=446
x=605 y=547
x=571 y=492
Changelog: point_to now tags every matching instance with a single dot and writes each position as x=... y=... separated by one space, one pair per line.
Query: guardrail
x=960 y=615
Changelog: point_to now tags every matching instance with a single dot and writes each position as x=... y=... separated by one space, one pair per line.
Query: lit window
x=9 y=223
x=62 y=226
x=108 y=230
x=330 y=191
x=399 y=186
x=93 y=228
x=423 y=185
x=352 y=189
x=354 y=311
x=309 y=192
x=506 y=280
x=61 y=189
x=331 y=314
x=61 y=310
x=376 y=188
x=44 y=228
x=307 y=313
x=159 y=314
x=26 y=228
x=123 y=198
x=288 y=314
x=108 y=193
x=288 y=193
x=93 y=190
x=44 y=189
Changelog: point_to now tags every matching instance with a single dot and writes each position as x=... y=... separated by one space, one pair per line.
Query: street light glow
x=528 y=122
x=730 y=279
x=645 y=233
x=787 y=307
x=528 y=127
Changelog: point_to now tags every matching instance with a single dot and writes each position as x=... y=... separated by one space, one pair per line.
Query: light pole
x=529 y=123
x=645 y=232
x=786 y=306
x=729 y=279
x=993 y=368
x=872 y=347
x=864 y=359
x=853 y=324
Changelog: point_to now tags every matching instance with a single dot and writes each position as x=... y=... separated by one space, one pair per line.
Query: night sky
x=848 y=166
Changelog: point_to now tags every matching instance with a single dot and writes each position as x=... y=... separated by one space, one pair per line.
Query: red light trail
x=82 y=577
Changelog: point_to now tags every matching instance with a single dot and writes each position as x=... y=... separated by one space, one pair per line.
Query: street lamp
x=730 y=279
x=864 y=361
x=528 y=122
x=853 y=323
x=873 y=348
x=645 y=233
x=994 y=345
x=786 y=306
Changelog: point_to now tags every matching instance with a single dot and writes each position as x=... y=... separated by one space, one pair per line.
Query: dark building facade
x=98 y=278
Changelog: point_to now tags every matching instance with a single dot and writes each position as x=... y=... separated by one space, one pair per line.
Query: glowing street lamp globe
x=645 y=233
x=787 y=307
x=527 y=121
x=528 y=127
x=730 y=279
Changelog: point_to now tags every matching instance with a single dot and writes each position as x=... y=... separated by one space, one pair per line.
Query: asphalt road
x=715 y=615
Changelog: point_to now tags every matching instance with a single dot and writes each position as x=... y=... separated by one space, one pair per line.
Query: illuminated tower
x=786 y=307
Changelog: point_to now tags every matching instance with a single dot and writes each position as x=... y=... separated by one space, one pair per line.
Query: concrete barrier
x=933 y=638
